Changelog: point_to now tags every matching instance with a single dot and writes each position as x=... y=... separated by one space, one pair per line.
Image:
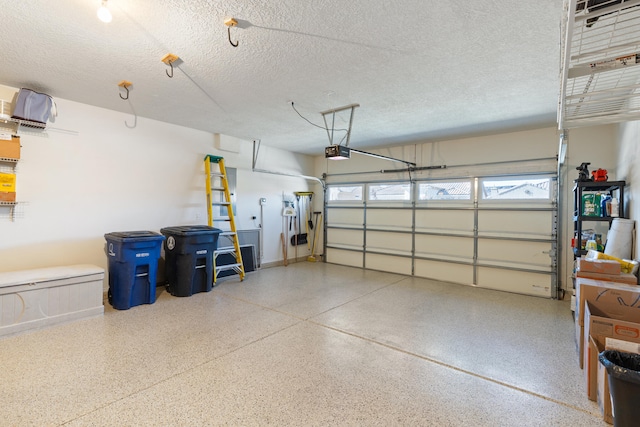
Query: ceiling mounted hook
x=169 y=59
x=125 y=85
x=231 y=22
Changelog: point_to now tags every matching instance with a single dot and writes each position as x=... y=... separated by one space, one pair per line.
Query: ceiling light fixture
x=103 y=13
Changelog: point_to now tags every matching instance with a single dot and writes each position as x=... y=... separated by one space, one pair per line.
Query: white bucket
x=620 y=238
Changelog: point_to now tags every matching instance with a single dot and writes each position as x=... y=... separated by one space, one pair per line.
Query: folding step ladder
x=217 y=181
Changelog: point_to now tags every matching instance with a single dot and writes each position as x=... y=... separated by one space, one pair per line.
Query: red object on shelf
x=600 y=175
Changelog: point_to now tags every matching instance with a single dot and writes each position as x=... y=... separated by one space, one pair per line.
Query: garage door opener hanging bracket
x=331 y=129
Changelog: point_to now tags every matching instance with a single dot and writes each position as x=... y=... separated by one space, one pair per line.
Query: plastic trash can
x=624 y=385
x=133 y=266
x=188 y=254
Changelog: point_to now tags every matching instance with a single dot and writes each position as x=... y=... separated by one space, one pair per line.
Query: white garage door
x=490 y=232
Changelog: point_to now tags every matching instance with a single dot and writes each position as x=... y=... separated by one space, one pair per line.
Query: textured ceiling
x=420 y=69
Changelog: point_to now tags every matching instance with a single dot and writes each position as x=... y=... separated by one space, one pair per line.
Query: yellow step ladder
x=221 y=185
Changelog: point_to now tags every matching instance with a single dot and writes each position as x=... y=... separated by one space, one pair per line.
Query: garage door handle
x=550 y=253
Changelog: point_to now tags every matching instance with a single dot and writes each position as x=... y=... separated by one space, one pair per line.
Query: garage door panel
x=537 y=284
x=352 y=238
x=389 y=218
x=342 y=257
x=445 y=271
x=522 y=253
x=386 y=241
x=349 y=216
x=445 y=220
x=528 y=223
x=461 y=247
x=387 y=263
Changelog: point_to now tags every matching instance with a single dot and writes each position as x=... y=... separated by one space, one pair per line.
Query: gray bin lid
x=190 y=230
x=133 y=236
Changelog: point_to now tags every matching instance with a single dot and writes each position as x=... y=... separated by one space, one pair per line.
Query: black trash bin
x=189 y=258
x=133 y=264
x=624 y=385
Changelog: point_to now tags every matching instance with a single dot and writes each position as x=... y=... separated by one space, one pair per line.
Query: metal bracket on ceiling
x=231 y=22
x=333 y=112
x=125 y=85
x=169 y=59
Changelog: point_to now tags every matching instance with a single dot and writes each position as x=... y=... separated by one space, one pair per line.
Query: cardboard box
x=591 y=367
x=610 y=297
x=600 y=266
x=626 y=278
x=621 y=345
x=7 y=182
x=7 y=197
x=625 y=265
x=597 y=327
x=10 y=149
x=604 y=396
x=579 y=341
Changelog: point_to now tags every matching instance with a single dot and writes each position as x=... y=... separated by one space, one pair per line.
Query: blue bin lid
x=133 y=236
x=190 y=230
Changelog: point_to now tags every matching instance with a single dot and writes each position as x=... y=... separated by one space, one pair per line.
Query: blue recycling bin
x=133 y=266
x=188 y=252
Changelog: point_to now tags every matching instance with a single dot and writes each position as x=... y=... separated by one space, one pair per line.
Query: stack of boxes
x=9 y=151
x=604 y=269
x=607 y=317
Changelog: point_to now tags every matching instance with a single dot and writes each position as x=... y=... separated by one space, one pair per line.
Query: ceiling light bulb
x=103 y=13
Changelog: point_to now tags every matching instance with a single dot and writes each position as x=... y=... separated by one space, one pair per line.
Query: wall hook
x=169 y=59
x=125 y=85
x=231 y=22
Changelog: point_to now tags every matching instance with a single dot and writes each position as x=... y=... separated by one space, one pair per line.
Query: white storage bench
x=31 y=299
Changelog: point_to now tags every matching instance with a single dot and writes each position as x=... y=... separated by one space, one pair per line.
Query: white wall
x=596 y=145
x=628 y=148
x=93 y=175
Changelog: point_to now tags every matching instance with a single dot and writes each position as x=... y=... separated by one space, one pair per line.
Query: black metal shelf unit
x=612 y=188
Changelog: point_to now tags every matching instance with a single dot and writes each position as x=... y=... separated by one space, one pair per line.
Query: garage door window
x=390 y=191
x=345 y=193
x=450 y=190
x=534 y=188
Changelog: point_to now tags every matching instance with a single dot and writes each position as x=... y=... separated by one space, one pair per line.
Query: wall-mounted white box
x=32 y=299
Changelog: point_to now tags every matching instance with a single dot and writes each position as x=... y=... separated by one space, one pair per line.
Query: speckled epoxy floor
x=307 y=344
